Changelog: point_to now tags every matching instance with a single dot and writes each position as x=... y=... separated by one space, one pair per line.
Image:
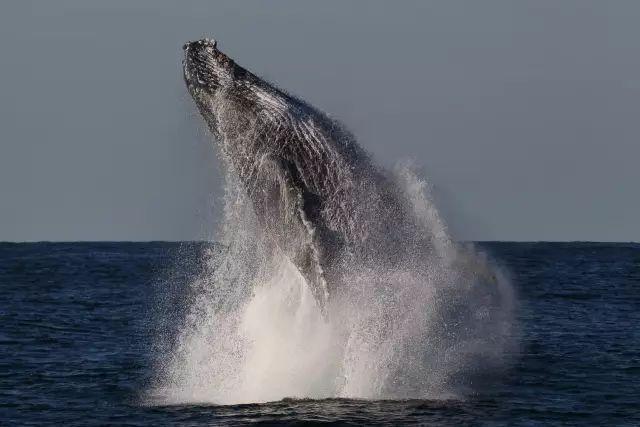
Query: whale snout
x=204 y=65
x=199 y=44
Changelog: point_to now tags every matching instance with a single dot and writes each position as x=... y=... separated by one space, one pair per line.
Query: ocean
x=80 y=326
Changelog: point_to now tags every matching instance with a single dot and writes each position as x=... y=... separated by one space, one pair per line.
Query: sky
x=523 y=116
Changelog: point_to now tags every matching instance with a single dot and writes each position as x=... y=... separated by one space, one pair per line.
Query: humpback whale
x=336 y=277
x=316 y=193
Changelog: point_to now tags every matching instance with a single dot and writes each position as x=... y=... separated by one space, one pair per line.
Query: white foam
x=255 y=333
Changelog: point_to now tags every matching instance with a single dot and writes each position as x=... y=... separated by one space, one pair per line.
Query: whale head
x=212 y=78
x=228 y=96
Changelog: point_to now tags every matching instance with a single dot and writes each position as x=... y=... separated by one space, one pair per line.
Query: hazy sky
x=525 y=116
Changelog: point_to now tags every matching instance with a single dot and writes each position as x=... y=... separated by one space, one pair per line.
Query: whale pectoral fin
x=288 y=217
x=310 y=267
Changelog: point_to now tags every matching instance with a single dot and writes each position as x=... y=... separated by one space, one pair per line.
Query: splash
x=426 y=329
x=338 y=278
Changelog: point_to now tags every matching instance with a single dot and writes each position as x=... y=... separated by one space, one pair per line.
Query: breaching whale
x=316 y=193
x=336 y=278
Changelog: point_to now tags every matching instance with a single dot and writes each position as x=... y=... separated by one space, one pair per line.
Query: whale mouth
x=204 y=66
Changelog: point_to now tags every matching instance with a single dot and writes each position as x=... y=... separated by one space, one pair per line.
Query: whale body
x=316 y=193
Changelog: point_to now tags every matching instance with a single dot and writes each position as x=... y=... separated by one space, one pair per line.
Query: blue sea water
x=78 y=322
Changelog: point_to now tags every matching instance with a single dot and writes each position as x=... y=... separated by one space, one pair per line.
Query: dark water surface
x=78 y=322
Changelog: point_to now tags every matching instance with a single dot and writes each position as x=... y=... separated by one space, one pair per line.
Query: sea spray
x=254 y=332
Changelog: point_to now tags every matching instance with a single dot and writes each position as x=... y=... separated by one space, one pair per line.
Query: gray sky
x=524 y=115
